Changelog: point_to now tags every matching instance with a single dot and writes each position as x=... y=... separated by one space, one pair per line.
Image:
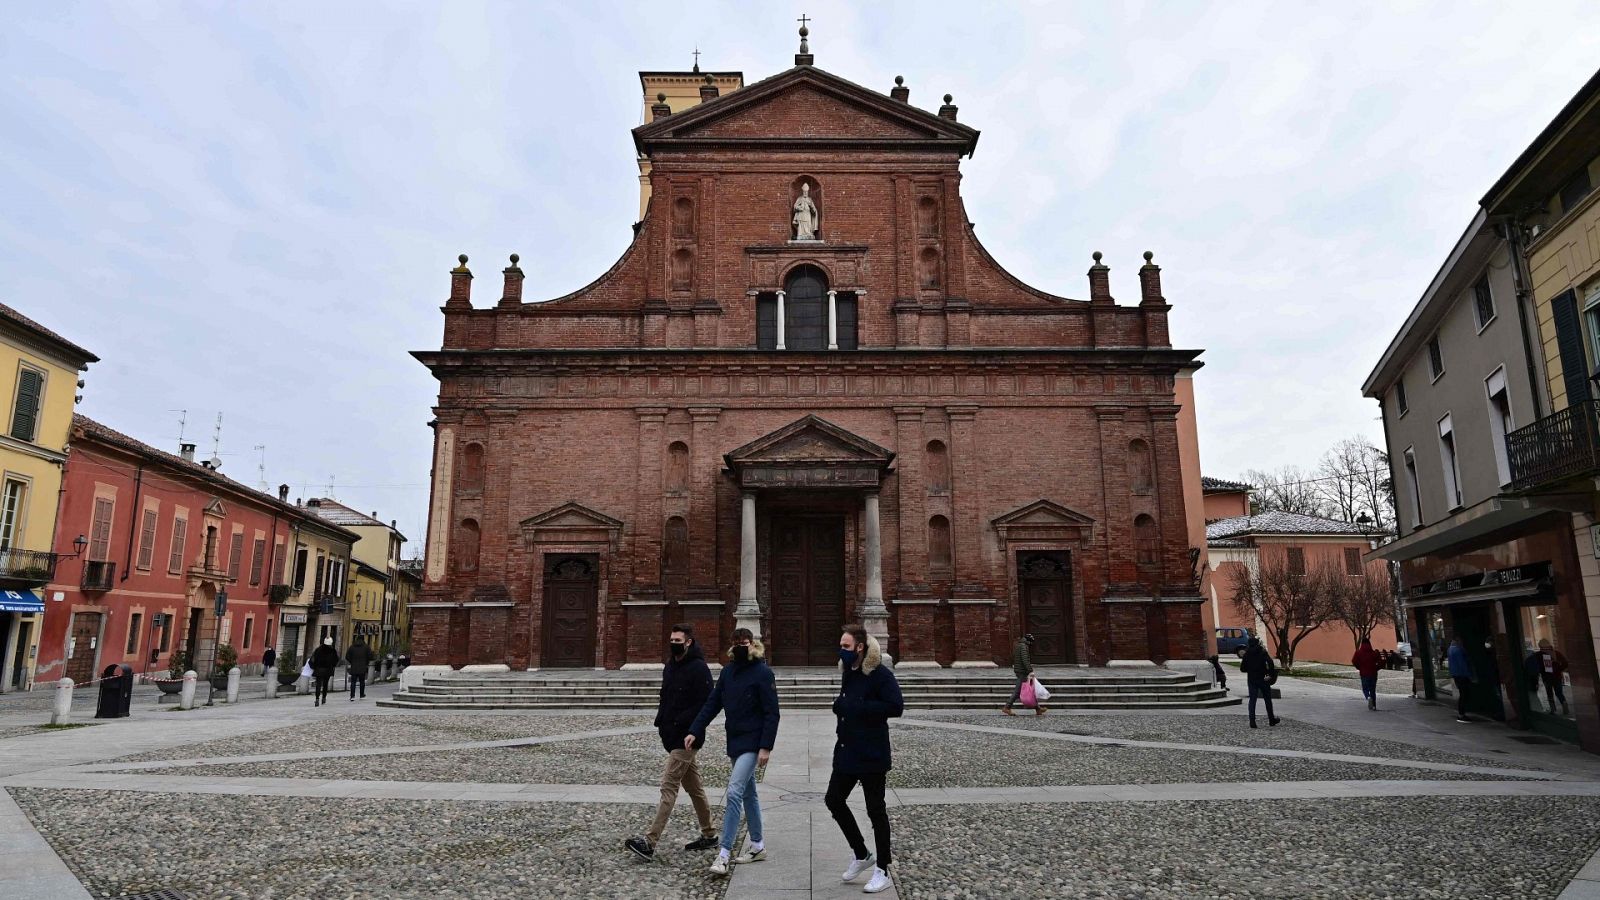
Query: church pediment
x=1046 y=521
x=804 y=105
x=571 y=523
x=810 y=452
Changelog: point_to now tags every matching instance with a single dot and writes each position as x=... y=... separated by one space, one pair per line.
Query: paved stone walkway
x=806 y=852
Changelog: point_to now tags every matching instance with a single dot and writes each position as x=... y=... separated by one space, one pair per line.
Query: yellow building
x=315 y=605
x=368 y=587
x=1548 y=208
x=410 y=587
x=372 y=579
x=39 y=382
x=676 y=92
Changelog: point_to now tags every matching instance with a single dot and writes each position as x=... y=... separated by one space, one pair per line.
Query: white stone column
x=780 y=320
x=186 y=694
x=234 y=675
x=833 y=321
x=748 y=613
x=61 y=705
x=874 y=615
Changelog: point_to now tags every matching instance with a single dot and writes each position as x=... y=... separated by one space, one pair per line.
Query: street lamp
x=211 y=679
x=79 y=545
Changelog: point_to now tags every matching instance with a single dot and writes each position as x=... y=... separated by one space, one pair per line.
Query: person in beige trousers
x=685 y=684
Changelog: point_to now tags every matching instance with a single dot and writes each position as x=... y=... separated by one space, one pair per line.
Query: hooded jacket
x=324 y=660
x=1365 y=661
x=1021 y=659
x=868 y=698
x=685 y=685
x=748 y=695
x=359 y=656
x=1257 y=664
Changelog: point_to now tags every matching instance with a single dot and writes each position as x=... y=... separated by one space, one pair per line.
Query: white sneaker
x=750 y=856
x=719 y=866
x=858 y=867
x=880 y=881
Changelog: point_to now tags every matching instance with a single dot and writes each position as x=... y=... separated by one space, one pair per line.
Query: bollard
x=186 y=696
x=63 y=702
x=233 y=684
x=271 y=685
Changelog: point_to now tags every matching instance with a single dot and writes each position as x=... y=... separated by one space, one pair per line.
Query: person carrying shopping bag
x=748 y=696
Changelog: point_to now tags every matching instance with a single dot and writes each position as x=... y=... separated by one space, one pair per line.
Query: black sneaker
x=1273 y=721
x=641 y=848
x=705 y=843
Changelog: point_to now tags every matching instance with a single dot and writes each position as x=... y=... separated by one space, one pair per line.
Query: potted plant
x=226 y=659
x=177 y=664
x=288 y=670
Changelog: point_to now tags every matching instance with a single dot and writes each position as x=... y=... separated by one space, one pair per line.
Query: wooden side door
x=788 y=637
x=1044 y=579
x=571 y=598
x=825 y=545
x=85 y=637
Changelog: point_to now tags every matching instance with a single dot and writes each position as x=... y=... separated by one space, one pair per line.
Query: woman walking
x=869 y=696
x=748 y=695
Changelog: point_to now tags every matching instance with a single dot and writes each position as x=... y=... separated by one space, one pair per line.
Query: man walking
x=1022 y=667
x=869 y=696
x=358 y=658
x=324 y=660
x=747 y=693
x=685 y=685
x=1259 y=674
x=1366 y=663
x=1461 y=674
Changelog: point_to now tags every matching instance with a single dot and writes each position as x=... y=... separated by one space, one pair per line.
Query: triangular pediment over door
x=1046 y=521
x=810 y=452
x=571 y=522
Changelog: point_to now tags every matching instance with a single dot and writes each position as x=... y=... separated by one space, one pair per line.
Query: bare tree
x=1363 y=602
x=1288 y=489
x=1353 y=480
x=1290 y=601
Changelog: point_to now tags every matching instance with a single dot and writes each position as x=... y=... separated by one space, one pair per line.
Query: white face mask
x=327 y=642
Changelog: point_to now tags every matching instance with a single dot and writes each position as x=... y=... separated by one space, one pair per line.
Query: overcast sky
x=252 y=208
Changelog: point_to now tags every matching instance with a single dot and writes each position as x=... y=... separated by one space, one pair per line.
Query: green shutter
x=1569 y=343
x=25 y=417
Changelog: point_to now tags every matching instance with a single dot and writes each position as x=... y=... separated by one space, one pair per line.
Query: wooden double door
x=1044 y=579
x=806 y=558
x=571 y=608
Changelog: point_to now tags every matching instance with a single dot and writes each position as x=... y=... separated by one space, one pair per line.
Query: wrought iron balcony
x=31 y=567
x=99 y=575
x=1557 y=448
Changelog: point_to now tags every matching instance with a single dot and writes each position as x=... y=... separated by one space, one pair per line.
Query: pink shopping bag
x=1029 y=698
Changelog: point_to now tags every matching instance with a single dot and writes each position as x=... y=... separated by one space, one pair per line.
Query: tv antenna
x=183 y=422
x=261 y=467
x=216 y=444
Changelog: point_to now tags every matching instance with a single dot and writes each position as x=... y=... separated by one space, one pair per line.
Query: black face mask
x=678 y=649
x=741 y=653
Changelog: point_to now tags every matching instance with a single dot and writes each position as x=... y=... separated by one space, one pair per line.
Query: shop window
x=1545 y=679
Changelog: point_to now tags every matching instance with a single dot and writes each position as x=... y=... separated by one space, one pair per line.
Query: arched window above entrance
x=806 y=309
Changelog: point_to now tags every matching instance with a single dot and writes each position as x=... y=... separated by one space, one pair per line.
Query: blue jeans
x=1369 y=687
x=741 y=798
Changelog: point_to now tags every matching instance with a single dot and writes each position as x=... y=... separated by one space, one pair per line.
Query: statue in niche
x=805 y=217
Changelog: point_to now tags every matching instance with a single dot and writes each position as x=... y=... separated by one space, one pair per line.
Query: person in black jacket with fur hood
x=869 y=696
x=685 y=685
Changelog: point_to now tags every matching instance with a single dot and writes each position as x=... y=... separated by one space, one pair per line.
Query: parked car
x=1232 y=640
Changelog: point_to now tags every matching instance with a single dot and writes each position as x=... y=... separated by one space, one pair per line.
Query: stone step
x=908 y=688
x=633 y=701
x=653 y=680
x=403 y=701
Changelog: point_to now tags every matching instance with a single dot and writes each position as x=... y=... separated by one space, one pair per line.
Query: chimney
x=900 y=92
x=186 y=451
x=283 y=493
x=1100 y=283
x=314 y=502
x=460 y=285
x=1150 y=282
x=660 y=110
x=513 y=295
x=708 y=91
x=948 y=110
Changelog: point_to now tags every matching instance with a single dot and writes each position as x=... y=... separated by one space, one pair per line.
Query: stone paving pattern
x=1430 y=847
x=314 y=849
x=355 y=732
x=1222 y=729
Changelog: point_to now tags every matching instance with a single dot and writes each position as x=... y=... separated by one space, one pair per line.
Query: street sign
x=222 y=602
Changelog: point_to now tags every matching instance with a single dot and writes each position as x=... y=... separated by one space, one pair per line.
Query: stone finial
x=1150 y=282
x=460 y=284
x=513 y=292
x=900 y=92
x=1100 y=282
x=804 y=57
x=660 y=109
x=948 y=110
x=708 y=91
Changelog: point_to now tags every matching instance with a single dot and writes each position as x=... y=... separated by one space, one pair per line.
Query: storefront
x=291 y=634
x=20 y=611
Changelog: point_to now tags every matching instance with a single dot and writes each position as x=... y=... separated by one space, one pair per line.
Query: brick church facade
x=806 y=395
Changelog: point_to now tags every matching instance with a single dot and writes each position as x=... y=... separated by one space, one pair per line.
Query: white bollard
x=63 y=702
x=271 y=685
x=233 y=684
x=186 y=696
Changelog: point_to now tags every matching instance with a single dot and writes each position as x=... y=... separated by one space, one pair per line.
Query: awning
x=20 y=602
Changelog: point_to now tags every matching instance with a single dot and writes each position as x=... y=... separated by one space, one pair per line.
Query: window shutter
x=180 y=534
x=1569 y=342
x=100 y=531
x=235 y=551
x=257 y=559
x=25 y=416
x=277 y=563
x=147 y=540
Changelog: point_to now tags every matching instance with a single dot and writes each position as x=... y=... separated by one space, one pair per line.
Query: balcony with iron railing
x=1557 y=449
x=99 y=575
x=28 y=568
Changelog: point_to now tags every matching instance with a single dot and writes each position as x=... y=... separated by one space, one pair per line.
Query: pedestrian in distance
x=1461 y=673
x=747 y=695
x=869 y=696
x=1022 y=667
x=685 y=685
x=1366 y=663
x=1259 y=674
x=1547 y=666
x=269 y=658
x=359 y=659
x=324 y=660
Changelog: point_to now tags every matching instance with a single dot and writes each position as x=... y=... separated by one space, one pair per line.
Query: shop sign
x=294 y=618
x=1513 y=575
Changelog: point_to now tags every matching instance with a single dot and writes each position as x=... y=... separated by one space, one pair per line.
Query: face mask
x=678 y=649
x=848 y=657
x=741 y=653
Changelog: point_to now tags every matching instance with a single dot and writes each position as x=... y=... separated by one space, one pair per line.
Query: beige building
x=677 y=91
x=370 y=580
x=39 y=384
x=314 y=606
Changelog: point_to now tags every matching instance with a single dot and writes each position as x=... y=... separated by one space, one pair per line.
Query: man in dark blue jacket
x=1259 y=674
x=869 y=696
x=685 y=685
x=747 y=693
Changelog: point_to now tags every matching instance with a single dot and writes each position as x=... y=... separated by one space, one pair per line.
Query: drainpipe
x=133 y=518
x=1511 y=232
